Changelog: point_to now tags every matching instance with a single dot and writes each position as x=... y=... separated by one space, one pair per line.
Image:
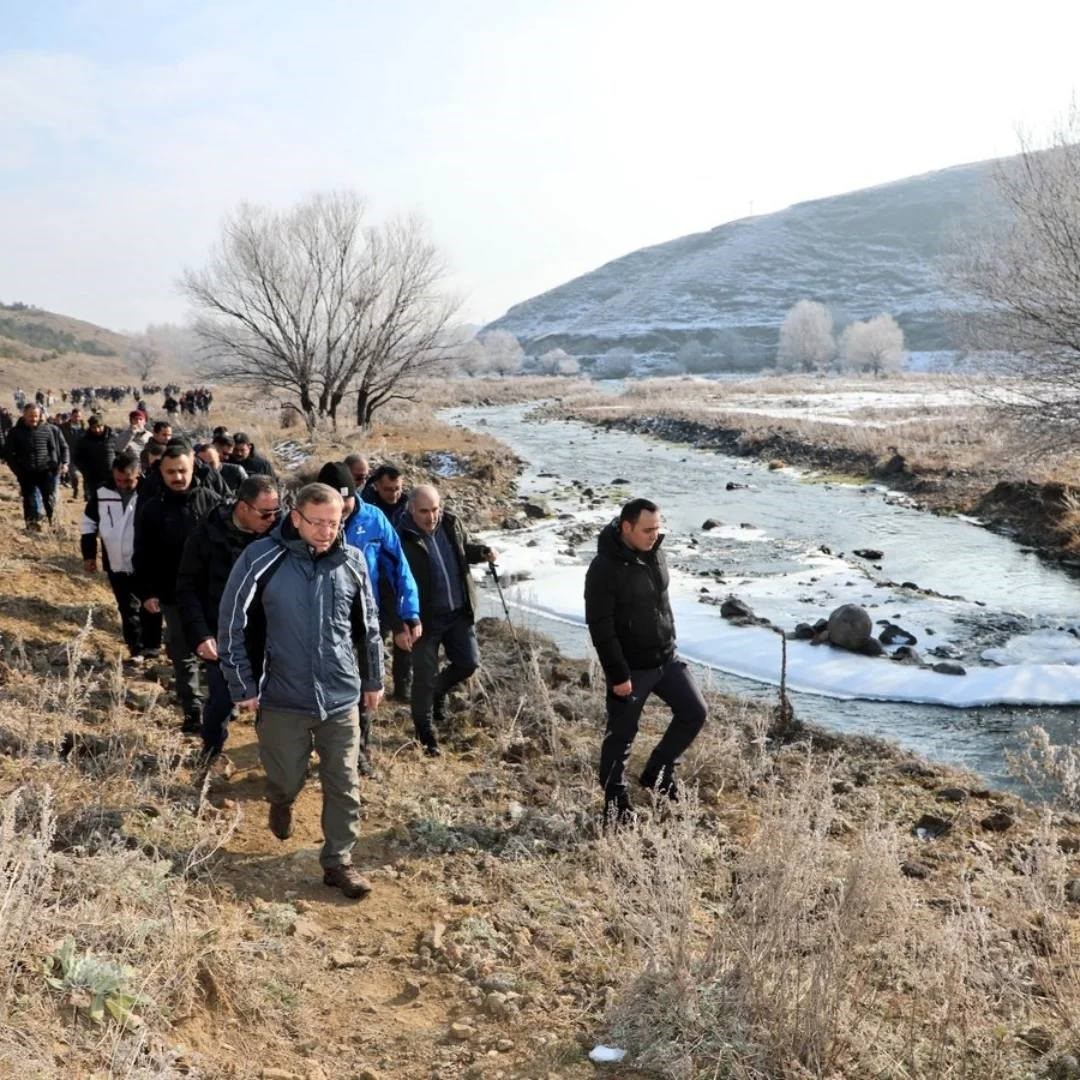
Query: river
x=785 y=544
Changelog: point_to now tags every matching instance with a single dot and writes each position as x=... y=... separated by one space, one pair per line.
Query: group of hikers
x=279 y=597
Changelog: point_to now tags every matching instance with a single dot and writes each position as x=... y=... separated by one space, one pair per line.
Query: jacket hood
x=610 y=544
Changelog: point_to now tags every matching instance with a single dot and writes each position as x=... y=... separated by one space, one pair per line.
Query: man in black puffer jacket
x=244 y=454
x=208 y=558
x=633 y=631
x=38 y=456
x=162 y=526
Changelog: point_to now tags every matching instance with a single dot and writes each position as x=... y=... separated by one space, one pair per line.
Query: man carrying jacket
x=162 y=526
x=298 y=636
x=110 y=516
x=439 y=553
x=633 y=631
x=368 y=530
x=38 y=456
x=208 y=557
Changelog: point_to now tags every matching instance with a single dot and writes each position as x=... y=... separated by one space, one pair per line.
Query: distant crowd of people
x=281 y=600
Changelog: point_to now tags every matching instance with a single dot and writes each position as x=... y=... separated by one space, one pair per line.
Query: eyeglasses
x=266 y=515
x=330 y=526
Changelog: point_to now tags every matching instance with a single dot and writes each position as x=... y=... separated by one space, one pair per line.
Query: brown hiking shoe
x=348 y=879
x=281 y=820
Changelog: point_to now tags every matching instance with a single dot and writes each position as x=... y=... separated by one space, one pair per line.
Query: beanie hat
x=336 y=474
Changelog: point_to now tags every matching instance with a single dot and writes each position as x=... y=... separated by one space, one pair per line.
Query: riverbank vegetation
x=816 y=906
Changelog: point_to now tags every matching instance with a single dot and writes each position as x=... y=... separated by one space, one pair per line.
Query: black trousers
x=672 y=684
x=456 y=635
x=141 y=630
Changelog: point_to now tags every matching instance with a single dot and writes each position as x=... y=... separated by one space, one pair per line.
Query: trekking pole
x=506 y=610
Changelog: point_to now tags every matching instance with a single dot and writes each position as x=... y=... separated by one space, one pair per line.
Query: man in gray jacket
x=298 y=638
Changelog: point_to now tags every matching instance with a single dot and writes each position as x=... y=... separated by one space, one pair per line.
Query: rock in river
x=850 y=627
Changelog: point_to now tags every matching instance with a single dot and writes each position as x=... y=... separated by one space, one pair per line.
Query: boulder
x=776 y=464
x=803 y=632
x=536 y=509
x=873 y=647
x=892 y=467
x=896 y=635
x=907 y=655
x=931 y=826
x=734 y=608
x=998 y=821
x=619 y=481
x=948 y=668
x=732 y=485
x=870 y=554
x=710 y=523
x=850 y=627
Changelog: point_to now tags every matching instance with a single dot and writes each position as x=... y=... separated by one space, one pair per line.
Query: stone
x=495 y=1005
x=896 y=635
x=1064 y=1067
x=1072 y=890
x=850 y=627
x=710 y=523
x=279 y=1074
x=733 y=485
x=619 y=482
x=916 y=870
x=776 y=464
x=952 y=794
x=462 y=1032
x=998 y=821
x=1069 y=845
x=907 y=655
x=873 y=647
x=499 y=983
x=870 y=554
x=946 y=667
x=368 y=1073
x=536 y=509
x=803 y=632
x=931 y=826
x=734 y=608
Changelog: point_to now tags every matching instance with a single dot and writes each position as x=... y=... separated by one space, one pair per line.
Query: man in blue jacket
x=298 y=637
x=369 y=530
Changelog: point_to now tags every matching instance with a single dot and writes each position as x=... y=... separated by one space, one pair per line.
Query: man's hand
x=90 y=566
x=492 y=555
x=623 y=689
x=63 y=470
x=403 y=640
x=153 y=605
x=372 y=699
x=247 y=706
x=207 y=650
x=416 y=631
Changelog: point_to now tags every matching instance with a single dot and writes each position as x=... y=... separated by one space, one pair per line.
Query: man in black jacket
x=633 y=631
x=244 y=454
x=386 y=490
x=208 y=558
x=93 y=456
x=439 y=553
x=162 y=526
x=38 y=456
x=73 y=429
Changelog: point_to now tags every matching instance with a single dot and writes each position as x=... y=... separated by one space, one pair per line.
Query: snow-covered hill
x=878 y=249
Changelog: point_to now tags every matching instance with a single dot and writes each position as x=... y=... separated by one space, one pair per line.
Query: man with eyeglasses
x=298 y=634
x=208 y=557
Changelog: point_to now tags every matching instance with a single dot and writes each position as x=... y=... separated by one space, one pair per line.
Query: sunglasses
x=266 y=515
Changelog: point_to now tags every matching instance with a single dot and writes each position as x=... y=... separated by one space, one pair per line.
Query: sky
x=538 y=139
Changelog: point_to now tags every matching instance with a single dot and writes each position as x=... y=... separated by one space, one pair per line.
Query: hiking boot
x=661 y=780
x=348 y=879
x=192 y=724
x=280 y=820
x=426 y=737
x=618 y=811
x=402 y=695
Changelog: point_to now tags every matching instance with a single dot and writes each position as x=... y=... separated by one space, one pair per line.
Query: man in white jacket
x=110 y=515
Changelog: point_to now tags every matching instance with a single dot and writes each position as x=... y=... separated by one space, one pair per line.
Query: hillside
x=43 y=348
x=877 y=249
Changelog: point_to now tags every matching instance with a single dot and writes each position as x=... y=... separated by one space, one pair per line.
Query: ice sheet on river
x=555 y=589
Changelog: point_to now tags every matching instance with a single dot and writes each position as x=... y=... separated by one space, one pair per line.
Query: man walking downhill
x=439 y=553
x=633 y=631
x=209 y=554
x=368 y=530
x=162 y=526
x=38 y=456
x=298 y=636
x=110 y=515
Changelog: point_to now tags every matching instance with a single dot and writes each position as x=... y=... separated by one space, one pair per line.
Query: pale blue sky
x=539 y=139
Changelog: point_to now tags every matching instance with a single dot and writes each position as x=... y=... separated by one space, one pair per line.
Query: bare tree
x=616 y=363
x=876 y=345
x=505 y=355
x=806 y=342
x=143 y=357
x=314 y=303
x=1024 y=270
x=557 y=362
